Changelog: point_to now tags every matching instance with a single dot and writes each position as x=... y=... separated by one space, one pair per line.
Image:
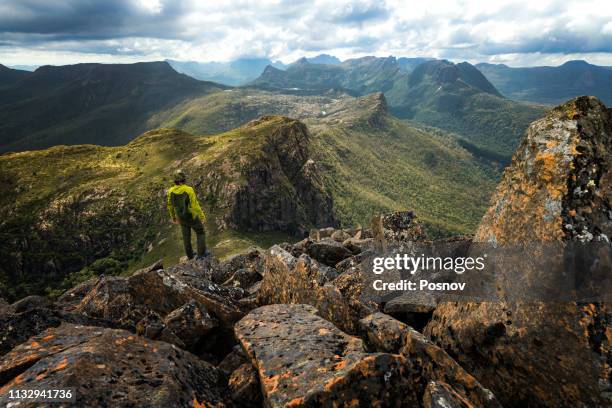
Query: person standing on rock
x=185 y=210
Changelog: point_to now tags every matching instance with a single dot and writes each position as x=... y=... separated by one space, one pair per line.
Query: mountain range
x=232 y=73
x=82 y=103
x=548 y=85
x=109 y=104
x=87 y=103
x=454 y=97
x=551 y=85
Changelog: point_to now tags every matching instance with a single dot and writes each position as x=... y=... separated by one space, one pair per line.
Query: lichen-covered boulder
x=234 y=359
x=402 y=226
x=243 y=278
x=73 y=296
x=304 y=280
x=558 y=189
x=251 y=261
x=244 y=388
x=327 y=251
x=110 y=299
x=434 y=364
x=30 y=302
x=16 y=328
x=382 y=332
x=421 y=302
x=127 y=301
x=110 y=367
x=190 y=323
x=304 y=360
x=340 y=236
x=441 y=395
x=427 y=361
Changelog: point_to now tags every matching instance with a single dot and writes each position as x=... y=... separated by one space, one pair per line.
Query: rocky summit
x=291 y=326
x=284 y=327
x=558 y=189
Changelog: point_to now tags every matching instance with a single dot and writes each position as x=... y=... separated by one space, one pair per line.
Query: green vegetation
x=393 y=166
x=109 y=104
x=80 y=211
x=489 y=123
x=222 y=111
x=70 y=213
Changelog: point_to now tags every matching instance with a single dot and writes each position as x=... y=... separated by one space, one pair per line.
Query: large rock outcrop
x=274 y=185
x=557 y=190
x=152 y=338
x=303 y=280
x=428 y=362
x=303 y=361
x=109 y=367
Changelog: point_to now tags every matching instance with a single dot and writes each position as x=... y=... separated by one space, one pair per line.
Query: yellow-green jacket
x=194 y=205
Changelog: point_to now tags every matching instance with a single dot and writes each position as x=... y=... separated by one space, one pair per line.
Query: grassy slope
x=221 y=111
x=390 y=165
x=90 y=103
x=32 y=184
x=398 y=167
x=492 y=124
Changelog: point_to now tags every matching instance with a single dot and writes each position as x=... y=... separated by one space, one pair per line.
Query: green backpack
x=181 y=203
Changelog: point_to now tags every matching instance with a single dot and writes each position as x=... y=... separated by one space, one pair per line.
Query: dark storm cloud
x=65 y=20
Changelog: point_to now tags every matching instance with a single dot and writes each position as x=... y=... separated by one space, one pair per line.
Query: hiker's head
x=179 y=177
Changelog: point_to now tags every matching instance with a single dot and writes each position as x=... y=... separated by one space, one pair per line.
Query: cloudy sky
x=518 y=33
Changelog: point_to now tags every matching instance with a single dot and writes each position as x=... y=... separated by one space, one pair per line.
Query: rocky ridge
x=98 y=208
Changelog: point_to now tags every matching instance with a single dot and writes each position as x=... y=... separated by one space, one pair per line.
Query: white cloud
x=515 y=32
x=153 y=6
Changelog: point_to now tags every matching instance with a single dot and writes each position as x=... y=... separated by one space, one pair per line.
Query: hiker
x=185 y=210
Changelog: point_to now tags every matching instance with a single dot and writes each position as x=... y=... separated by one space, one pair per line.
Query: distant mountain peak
x=301 y=61
x=324 y=59
x=378 y=108
x=446 y=72
x=269 y=69
x=551 y=85
x=9 y=76
x=576 y=63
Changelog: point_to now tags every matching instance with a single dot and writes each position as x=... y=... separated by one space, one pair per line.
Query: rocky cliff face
x=279 y=188
x=558 y=189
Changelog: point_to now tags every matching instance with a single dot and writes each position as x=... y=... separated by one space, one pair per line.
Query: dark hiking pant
x=197 y=226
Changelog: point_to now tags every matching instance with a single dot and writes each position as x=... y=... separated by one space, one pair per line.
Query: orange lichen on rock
x=310 y=362
x=61 y=365
x=555 y=191
x=88 y=361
